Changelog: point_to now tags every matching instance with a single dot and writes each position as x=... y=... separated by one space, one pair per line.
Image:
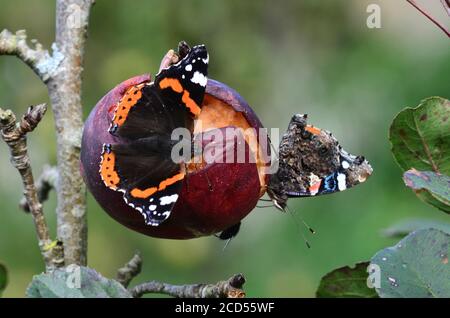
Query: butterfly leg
x=186 y=176
x=210 y=187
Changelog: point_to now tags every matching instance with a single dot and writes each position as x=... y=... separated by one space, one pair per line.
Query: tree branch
x=44 y=184
x=14 y=134
x=446 y=4
x=62 y=74
x=426 y=14
x=230 y=288
x=131 y=269
x=65 y=94
x=37 y=58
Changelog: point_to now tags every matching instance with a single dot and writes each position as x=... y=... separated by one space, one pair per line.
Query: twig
x=44 y=184
x=14 y=134
x=440 y=26
x=231 y=288
x=446 y=4
x=37 y=58
x=130 y=270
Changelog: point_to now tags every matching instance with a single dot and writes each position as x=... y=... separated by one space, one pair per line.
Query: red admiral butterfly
x=146 y=115
x=311 y=162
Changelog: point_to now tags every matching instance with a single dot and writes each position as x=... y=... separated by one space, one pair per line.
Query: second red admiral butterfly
x=311 y=162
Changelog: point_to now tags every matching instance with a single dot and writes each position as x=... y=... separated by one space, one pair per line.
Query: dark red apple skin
x=203 y=208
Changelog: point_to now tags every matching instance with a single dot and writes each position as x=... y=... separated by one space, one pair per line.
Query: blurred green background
x=285 y=57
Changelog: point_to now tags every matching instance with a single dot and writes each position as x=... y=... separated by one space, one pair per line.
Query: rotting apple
x=215 y=195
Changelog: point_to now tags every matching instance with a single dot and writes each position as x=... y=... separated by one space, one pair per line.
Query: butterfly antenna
x=301 y=232
x=303 y=221
x=273 y=147
x=299 y=228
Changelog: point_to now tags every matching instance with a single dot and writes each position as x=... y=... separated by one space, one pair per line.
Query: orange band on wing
x=144 y=194
x=172 y=83
x=176 y=86
x=313 y=130
x=128 y=100
x=189 y=102
x=107 y=171
x=171 y=180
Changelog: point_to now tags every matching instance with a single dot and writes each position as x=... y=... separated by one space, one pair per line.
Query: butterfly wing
x=311 y=162
x=142 y=112
x=187 y=78
x=142 y=167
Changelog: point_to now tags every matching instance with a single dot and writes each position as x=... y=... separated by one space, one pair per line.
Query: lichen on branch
x=37 y=58
x=130 y=270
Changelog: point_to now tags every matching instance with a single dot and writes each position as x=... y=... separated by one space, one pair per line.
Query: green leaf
x=404 y=227
x=75 y=282
x=432 y=187
x=416 y=267
x=3 y=278
x=346 y=282
x=420 y=139
x=420 y=136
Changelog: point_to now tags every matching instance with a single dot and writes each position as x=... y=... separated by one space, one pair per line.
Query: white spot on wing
x=345 y=164
x=206 y=61
x=341 y=178
x=188 y=67
x=199 y=79
x=152 y=207
x=168 y=199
